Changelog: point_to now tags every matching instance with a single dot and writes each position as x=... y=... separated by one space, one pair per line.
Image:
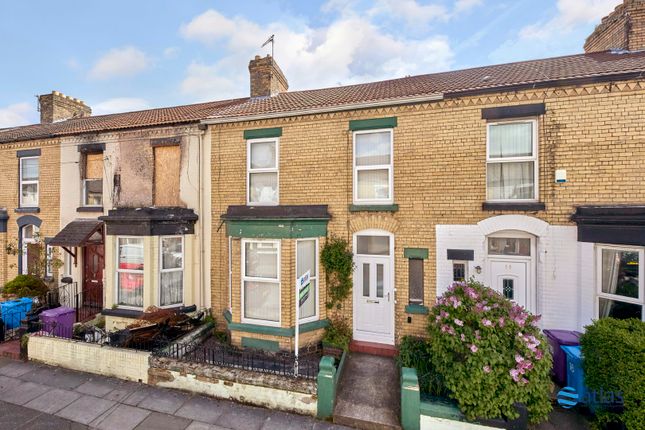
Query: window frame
x=641 y=280
x=84 y=194
x=162 y=270
x=423 y=283
x=533 y=158
x=245 y=278
x=250 y=171
x=117 y=271
x=465 y=263
x=23 y=245
x=29 y=182
x=389 y=167
x=49 y=263
x=316 y=315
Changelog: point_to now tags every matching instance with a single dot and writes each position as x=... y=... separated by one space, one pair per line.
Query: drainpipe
x=202 y=263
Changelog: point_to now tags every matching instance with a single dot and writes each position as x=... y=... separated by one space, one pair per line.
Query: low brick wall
x=255 y=388
x=86 y=357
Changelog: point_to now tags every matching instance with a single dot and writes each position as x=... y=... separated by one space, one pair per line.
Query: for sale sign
x=304 y=287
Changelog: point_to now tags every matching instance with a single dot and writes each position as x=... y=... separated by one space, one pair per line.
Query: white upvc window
x=620 y=280
x=373 y=171
x=30 y=249
x=512 y=161
x=171 y=270
x=261 y=282
x=49 y=266
x=129 y=271
x=307 y=260
x=29 y=181
x=262 y=171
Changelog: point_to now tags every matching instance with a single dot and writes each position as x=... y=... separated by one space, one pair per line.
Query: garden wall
x=261 y=389
x=87 y=357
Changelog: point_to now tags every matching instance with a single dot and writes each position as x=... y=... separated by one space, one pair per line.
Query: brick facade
x=48 y=198
x=595 y=132
x=623 y=29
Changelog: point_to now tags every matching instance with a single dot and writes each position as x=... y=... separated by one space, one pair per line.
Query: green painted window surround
x=416 y=309
x=278 y=331
x=260 y=133
x=374 y=208
x=262 y=344
x=372 y=124
x=277 y=229
x=420 y=253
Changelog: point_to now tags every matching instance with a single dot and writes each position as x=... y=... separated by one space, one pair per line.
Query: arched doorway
x=374 y=286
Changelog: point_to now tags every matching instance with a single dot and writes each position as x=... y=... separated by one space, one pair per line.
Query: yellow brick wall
x=595 y=132
x=48 y=198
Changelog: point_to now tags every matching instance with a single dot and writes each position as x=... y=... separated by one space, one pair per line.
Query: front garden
x=485 y=362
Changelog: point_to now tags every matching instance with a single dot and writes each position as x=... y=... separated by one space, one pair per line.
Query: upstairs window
x=29 y=176
x=167 y=175
x=373 y=180
x=511 y=171
x=262 y=167
x=93 y=180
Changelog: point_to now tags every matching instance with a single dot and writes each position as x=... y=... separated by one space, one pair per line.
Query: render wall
x=595 y=132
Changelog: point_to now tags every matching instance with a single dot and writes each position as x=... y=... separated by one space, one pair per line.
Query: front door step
x=373 y=348
x=369 y=393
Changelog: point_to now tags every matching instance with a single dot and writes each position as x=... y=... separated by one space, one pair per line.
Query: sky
x=124 y=55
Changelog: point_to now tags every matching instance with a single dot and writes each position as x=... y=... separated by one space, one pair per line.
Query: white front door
x=511 y=279
x=373 y=292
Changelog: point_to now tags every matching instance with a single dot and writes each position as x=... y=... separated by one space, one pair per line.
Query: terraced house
x=120 y=196
x=526 y=176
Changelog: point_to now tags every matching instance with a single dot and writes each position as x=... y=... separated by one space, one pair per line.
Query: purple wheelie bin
x=558 y=338
x=59 y=321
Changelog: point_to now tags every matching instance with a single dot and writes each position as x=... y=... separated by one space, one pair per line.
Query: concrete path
x=369 y=393
x=34 y=396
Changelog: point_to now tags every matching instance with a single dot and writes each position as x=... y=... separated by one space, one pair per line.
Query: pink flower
x=463 y=338
x=487 y=323
x=501 y=321
x=487 y=369
x=515 y=374
x=539 y=354
x=473 y=348
x=459 y=322
x=518 y=358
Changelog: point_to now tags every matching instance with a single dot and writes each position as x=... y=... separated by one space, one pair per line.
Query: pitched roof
x=599 y=66
x=535 y=73
x=118 y=121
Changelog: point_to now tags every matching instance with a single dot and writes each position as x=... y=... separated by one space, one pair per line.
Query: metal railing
x=219 y=354
x=87 y=302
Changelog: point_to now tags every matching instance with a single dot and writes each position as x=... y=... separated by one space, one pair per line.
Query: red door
x=93 y=266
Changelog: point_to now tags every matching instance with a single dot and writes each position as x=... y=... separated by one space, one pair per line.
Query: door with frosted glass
x=373 y=295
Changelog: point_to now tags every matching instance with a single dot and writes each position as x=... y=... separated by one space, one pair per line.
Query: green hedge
x=614 y=361
x=26 y=286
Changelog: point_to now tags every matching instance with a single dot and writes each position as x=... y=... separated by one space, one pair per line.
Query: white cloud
x=120 y=62
x=411 y=11
x=466 y=5
x=16 y=114
x=119 y=104
x=311 y=57
x=170 y=52
x=561 y=34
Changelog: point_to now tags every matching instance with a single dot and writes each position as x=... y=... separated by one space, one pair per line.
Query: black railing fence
x=87 y=302
x=212 y=352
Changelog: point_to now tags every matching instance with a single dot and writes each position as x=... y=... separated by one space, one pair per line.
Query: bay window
x=511 y=170
x=373 y=173
x=171 y=273
x=261 y=281
x=129 y=271
x=306 y=260
x=29 y=181
x=262 y=168
x=620 y=282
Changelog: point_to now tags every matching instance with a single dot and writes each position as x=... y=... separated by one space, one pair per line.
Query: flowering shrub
x=490 y=352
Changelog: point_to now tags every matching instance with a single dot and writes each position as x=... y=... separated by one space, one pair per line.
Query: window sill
x=374 y=208
x=29 y=210
x=416 y=309
x=90 y=209
x=514 y=206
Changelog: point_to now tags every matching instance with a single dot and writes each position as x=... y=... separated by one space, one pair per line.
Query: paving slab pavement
x=39 y=397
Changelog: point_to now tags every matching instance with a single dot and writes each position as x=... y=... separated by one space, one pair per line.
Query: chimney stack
x=266 y=77
x=623 y=29
x=57 y=106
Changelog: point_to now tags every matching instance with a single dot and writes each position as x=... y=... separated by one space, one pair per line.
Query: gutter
x=340 y=108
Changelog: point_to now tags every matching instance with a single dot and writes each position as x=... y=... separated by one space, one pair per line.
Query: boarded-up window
x=415 y=272
x=167 y=165
x=93 y=180
x=94 y=166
